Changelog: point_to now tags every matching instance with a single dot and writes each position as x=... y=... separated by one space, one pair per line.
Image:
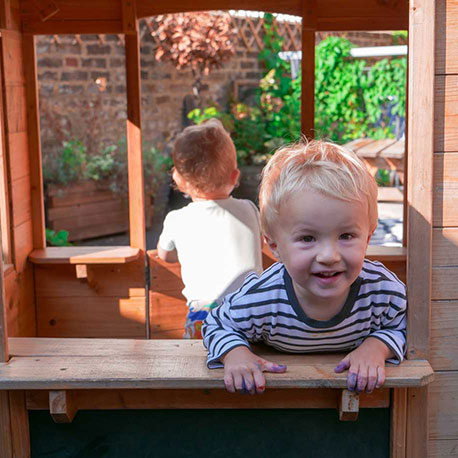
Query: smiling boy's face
x=322 y=242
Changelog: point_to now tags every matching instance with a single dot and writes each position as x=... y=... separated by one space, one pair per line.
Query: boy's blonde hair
x=205 y=156
x=318 y=166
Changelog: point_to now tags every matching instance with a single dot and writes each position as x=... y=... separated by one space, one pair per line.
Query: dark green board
x=316 y=433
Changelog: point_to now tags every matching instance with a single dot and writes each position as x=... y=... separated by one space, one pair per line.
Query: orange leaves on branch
x=201 y=41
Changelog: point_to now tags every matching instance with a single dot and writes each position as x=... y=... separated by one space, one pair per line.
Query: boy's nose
x=328 y=254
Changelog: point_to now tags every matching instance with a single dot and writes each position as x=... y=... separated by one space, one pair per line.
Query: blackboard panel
x=310 y=433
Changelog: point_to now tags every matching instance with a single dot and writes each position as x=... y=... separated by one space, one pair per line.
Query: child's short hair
x=319 y=166
x=205 y=155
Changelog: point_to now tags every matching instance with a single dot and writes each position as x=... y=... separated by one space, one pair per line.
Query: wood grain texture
x=446 y=113
x=444 y=335
x=444 y=284
x=310 y=398
x=85 y=255
x=398 y=423
x=445 y=186
x=420 y=183
x=445 y=247
x=446 y=36
x=443 y=406
x=145 y=364
x=6 y=446
x=99 y=317
x=19 y=424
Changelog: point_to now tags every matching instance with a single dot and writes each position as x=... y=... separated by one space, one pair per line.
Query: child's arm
x=167 y=256
x=243 y=371
x=366 y=364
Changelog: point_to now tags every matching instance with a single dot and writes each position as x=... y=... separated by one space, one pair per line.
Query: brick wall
x=82 y=86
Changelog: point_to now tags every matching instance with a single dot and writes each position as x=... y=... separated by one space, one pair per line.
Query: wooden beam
x=129 y=17
x=19 y=424
x=420 y=210
x=6 y=447
x=134 y=144
x=34 y=142
x=46 y=9
x=6 y=21
x=348 y=406
x=398 y=423
x=54 y=27
x=308 y=68
x=62 y=406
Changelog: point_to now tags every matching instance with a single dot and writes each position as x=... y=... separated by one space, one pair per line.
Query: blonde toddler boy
x=318 y=211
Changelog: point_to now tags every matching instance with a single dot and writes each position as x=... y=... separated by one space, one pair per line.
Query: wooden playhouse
x=90 y=328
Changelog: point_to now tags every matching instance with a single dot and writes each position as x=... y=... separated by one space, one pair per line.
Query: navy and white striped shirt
x=265 y=309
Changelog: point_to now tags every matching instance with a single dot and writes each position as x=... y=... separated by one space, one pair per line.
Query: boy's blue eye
x=308 y=238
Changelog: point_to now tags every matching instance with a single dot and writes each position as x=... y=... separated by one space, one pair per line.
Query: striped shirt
x=266 y=309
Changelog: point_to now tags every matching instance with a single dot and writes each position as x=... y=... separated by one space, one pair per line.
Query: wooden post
x=134 y=144
x=420 y=197
x=308 y=68
x=34 y=143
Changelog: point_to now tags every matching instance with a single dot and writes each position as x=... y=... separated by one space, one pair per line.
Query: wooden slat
x=6 y=446
x=62 y=406
x=33 y=129
x=182 y=366
x=442 y=448
x=19 y=150
x=19 y=424
x=446 y=113
x=443 y=405
x=22 y=201
x=444 y=335
x=445 y=189
x=395 y=151
x=375 y=148
x=308 y=68
x=23 y=244
x=134 y=144
x=85 y=255
x=102 y=317
x=420 y=151
x=311 y=398
x=445 y=247
x=390 y=194
x=59 y=281
x=398 y=423
x=446 y=36
x=129 y=16
x=444 y=283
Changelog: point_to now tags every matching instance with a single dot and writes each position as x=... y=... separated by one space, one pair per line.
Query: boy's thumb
x=269 y=366
x=343 y=365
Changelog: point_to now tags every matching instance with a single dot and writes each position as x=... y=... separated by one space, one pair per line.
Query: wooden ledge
x=62 y=364
x=386 y=253
x=85 y=255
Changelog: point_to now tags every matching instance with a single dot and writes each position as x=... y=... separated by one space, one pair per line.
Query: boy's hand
x=366 y=365
x=243 y=371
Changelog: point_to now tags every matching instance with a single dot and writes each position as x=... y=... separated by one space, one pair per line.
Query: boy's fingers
x=371 y=379
x=269 y=366
x=380 y=376
x=362 y=379
x=342 y=366
x=259 y=381
x=351 y=381
x=229 y=383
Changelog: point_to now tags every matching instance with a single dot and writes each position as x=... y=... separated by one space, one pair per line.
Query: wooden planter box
x=90 y=209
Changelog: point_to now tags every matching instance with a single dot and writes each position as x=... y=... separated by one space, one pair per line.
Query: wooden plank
x=420 y=166
x=446 y=113
x=444 y=284
x=398 y=423
x=141 y=364
x=308 y=68
x=72 y=199
x=446 y=36
x=74 y=27
x=348 y=406
x=443 y=406
x=445 y=247
x=442 y=448
x=417 y=422
x=22 y=201
x=22 y=243
x=311 y=398
x=129 y=16
x=395 y=151
x=16 y=110
x=19 y=424
x=33 y=130
x=46 y=9
x=85 y=255
x=4 y=356
x=19 y=153
x=445 y=189
x=167 y=315
x=13 y=67
x=59 y=281
x=62 y=406
x=102 y=317
x=76 y=223
x=134 y=144
x=444 y=335
x=114 y=205
x=374 y=149
x=6 y=446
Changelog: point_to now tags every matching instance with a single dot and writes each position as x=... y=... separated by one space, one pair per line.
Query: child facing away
x=318 y=208
x=216 y=238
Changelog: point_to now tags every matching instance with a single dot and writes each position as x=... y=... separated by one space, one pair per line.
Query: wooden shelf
x=85 y=255
x=386 y=253
x=62 y=364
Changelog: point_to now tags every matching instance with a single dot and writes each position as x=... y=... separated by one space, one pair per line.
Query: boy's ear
x=235 y=177
x=273 y=247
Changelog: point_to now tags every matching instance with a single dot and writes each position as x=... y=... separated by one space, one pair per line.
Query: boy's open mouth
x=326 y=274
